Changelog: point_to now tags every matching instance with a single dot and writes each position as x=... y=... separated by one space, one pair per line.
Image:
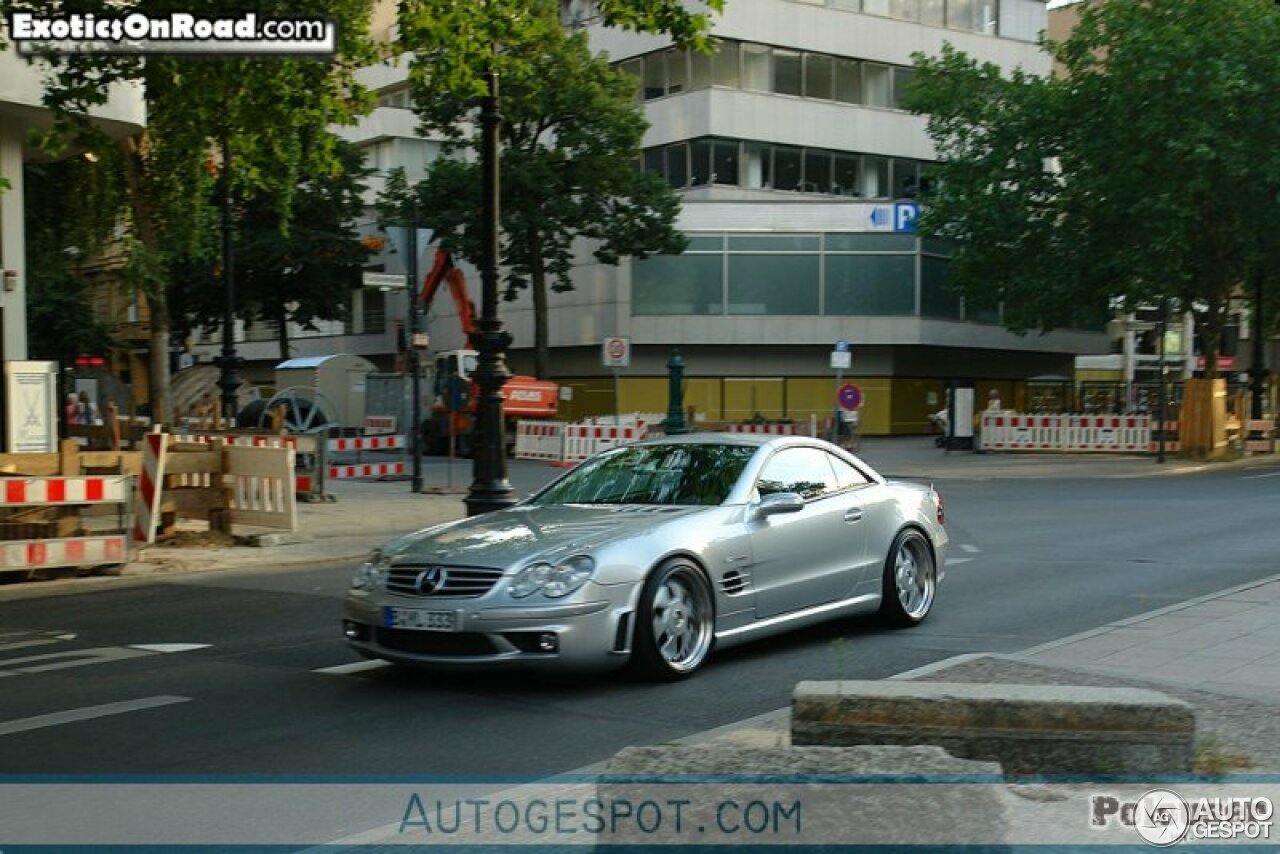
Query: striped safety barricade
x=311 y=456
x=70 y=551
x=1170 y=431
x=584 y=440
x=351 y=472
x=33 y=511
x=366 y=443
x=1008 y=432
x=540 y=440
x=765 y=429
x=1122 y=433
x=146 y=505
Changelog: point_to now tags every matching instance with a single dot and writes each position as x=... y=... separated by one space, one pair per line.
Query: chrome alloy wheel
x=681 y=621
x=914 y=577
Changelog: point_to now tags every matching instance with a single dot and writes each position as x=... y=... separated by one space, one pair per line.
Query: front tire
x=910 y=580
x=675 y=622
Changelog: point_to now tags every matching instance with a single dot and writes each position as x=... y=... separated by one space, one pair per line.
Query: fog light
x=351 y=630
x=548 y=642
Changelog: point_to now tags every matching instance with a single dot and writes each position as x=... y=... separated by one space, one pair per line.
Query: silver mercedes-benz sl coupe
x=653 y=554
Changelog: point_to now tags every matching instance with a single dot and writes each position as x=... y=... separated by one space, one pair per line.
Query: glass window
x=818 y=70
x=757 y=168
x=976 y=15
x=787 y=167
x=848 y=81
x=875 y=177
x=705 y=243
x=635 y=68
x=933 y=12
x=678 y=164
x=788 y=72
x=935 y=299
x=699 y=70
x=655 y=77
x=700 y=162
x=773 y=242
x=906 y=179
x=901 y=78
x=773 y=284
x=699 y=475
x=875 y=85
x=678 y=284
x=724 y=162
x=875 y=7
x=936 y=246
x=871 y=241
x=870 y=284
x=677 y=70
x=845 y=177
x=724 y=65
x=846 y=475
x=801 y=470
x=906 y=10
x=654 y=161
x=817 y=171
x=756 y=73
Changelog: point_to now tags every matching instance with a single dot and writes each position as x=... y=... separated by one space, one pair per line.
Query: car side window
x=801 y=470
x=846 y=475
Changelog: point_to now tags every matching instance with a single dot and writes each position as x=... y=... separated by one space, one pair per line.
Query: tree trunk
x=282 y=332
x=157 y=291
x=538 y=282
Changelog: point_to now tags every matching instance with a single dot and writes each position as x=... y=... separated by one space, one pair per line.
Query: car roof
x=753 y=440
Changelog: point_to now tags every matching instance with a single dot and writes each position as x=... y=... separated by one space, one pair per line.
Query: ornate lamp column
x=674 y=423
x=490 y=490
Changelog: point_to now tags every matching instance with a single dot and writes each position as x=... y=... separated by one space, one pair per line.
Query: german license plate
x=419 y=620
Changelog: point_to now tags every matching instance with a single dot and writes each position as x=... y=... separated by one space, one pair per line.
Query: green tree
x=258 y=110
x=302 y=276
x=1146 y=169
x=570 y=135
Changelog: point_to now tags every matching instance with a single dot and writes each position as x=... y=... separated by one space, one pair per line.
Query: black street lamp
x=415 y=369
x=229 y=362
x=490 y=489
x=674 y=424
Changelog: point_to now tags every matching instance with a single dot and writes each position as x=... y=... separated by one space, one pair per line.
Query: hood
x=513 y=536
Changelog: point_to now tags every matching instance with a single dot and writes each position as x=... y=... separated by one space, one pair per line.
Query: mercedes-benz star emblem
x=429 y=580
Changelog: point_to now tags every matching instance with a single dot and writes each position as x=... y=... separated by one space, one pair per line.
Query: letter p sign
x=905 y=215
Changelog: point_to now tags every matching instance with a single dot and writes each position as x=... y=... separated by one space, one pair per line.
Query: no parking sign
x=849 y=396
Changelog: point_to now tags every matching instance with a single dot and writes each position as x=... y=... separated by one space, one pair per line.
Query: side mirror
x=778 y=502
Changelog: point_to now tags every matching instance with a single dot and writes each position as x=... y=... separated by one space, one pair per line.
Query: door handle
x=853 y=514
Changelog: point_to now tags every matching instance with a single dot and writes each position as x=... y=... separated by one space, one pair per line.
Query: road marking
x=87 y=713
x=168 y=647
x=24 y=644
x=954 y=561
x=1256 y=476
x=354 y=667
x=970 y=548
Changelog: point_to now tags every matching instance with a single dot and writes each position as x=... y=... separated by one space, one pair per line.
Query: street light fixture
x=490 y=489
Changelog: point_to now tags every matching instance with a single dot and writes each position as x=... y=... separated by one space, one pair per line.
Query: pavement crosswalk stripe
x=168 y=647
x=87 y=713
x=1257 y=476
x=353 y=667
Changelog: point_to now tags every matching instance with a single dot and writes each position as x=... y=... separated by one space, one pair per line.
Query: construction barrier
x=366 y=443
x=540 y=440
x=364 y=470
x=260 y=488
x=310 y=456
x=43 y=527
x=585 y=440
x=155 y=448
x=765 y=429
x=1003 y=431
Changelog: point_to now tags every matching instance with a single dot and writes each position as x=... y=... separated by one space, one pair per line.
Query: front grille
x=435 y=643
x=459 y=581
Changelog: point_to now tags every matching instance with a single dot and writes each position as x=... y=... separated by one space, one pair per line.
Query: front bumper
x=587 y=635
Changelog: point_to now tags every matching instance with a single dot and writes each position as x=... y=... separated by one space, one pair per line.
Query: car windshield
x=682 y=474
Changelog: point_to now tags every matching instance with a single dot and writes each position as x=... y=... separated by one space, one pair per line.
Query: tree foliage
x=263 y=110
x=571 y=130
x=302 y=276
x=1147 y=169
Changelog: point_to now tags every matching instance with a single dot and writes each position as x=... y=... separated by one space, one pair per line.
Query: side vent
x=734 y=582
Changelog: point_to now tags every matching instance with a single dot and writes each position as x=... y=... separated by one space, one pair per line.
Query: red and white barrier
x=1001 y=431
x=367 y=443
x=73 y=551
x=1129 y=433
x=766 y=429
x=585 y=440
x=364 y=470
x=540 y=440
x=246 y=440
x=45 y=491
x=146 y=505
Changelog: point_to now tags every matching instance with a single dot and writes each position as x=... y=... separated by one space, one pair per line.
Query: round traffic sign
x=616 y=347
x=849 y=396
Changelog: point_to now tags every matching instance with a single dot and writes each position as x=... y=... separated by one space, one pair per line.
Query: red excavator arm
x=444 y=271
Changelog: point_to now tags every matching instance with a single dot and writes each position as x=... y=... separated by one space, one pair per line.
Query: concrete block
x=1028 y=729
x=866 y=795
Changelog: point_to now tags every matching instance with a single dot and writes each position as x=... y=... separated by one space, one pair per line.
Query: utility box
x=339 y=383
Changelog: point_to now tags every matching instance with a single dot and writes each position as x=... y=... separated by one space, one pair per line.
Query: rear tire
x=910 y=580
x=675 y=622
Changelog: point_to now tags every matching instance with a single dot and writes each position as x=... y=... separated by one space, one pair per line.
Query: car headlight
x=371 y=572
x=555 y=582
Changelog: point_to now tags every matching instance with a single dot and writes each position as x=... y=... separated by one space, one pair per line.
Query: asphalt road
x=1034 y=560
